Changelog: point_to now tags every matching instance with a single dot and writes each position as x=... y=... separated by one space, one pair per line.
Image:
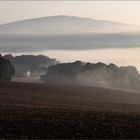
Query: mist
x=93 y=74
x=83 y=42
x=36 y=43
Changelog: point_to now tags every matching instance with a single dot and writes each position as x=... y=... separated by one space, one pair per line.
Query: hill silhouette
x=63 y=24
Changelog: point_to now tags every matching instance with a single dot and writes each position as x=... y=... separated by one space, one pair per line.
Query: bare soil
x=37 y=110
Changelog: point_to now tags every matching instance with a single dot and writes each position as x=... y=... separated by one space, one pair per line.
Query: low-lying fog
x=40 y=42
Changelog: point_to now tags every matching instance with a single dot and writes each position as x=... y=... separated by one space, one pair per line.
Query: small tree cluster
x=36 y=64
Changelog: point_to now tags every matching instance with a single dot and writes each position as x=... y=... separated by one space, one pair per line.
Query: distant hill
x=36 y=64
x=65 y=25
x=66 y=33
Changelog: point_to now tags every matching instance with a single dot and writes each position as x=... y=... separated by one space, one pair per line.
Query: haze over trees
x=6 y=69
x=98 y=74
x=37 y=65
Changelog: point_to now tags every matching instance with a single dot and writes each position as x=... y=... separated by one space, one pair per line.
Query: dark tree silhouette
x=98 y=74
x=36 y=64
x=6 y=69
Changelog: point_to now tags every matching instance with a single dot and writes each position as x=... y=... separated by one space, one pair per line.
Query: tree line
x=95 y=74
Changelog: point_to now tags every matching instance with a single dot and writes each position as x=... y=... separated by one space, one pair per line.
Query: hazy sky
x=122 y=11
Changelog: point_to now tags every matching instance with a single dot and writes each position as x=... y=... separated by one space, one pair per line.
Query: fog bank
x=36 y=43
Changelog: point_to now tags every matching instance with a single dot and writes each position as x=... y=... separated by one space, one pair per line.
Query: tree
x=6 y=69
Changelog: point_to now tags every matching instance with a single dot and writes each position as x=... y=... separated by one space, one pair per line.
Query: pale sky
x=121 y=11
